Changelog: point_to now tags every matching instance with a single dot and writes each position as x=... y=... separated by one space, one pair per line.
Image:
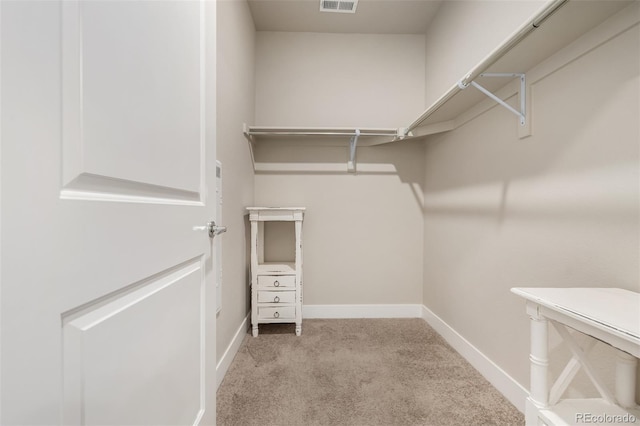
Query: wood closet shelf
x=276 y=268
x=276 y=287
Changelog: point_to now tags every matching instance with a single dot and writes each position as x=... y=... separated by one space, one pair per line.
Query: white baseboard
x=503 y=382
x=232 y=349
x=362 y=311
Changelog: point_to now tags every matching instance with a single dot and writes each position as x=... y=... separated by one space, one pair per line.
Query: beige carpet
x=356 y=372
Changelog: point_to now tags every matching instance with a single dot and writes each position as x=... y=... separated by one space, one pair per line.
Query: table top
x=614 y=308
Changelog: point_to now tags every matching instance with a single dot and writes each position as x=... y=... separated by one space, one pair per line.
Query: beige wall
x=465 y=32
x=313 y=79
x=362 y=232
x=557 y=209
x=236 y=88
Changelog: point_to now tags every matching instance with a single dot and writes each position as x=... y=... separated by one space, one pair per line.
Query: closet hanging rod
x=286 y=133
x=490 y=59
x=515 y=38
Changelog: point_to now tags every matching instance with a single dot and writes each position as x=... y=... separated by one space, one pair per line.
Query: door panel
x=108 y=295
x=133 y=98
x=137 y=357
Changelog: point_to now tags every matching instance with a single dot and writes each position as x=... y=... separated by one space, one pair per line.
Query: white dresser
x=610 y=315
x=276 y=287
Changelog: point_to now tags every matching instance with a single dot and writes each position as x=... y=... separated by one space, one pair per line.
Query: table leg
x=626 y=366
x=539 y=358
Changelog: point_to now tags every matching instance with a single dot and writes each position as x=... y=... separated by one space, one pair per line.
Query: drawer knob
x=276 y=314
x=276 y=299
x=276 y=283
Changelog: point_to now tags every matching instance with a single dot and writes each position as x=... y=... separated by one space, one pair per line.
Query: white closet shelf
x=353 y=136
x=373 y=136
x=277 y=268
x=557 y=24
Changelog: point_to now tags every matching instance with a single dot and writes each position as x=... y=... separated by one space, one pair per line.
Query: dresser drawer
x=279 y=312
x=276 y=281
x=267 y=296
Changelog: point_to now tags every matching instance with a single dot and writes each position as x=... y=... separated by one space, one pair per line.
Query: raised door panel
x=137 y=357
x=133 y=100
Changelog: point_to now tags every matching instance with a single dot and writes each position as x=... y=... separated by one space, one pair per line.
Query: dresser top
x=277 y=268
x=613 y=308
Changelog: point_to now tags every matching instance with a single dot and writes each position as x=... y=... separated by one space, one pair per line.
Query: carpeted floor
x=356 y=372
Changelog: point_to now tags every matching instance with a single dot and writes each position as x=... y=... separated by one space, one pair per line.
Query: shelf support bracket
x=353 y=144
x=247 y=135
x=523 y=100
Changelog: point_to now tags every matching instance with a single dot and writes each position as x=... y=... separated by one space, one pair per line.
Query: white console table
x=610 y=315
x=276 y=287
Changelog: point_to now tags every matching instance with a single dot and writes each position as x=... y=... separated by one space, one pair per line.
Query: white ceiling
x=371 y=17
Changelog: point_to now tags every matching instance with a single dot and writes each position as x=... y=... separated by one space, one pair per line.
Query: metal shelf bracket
x=353 y=144
x=523 y=93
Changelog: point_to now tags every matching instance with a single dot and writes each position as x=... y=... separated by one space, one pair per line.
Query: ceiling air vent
x=340 y=6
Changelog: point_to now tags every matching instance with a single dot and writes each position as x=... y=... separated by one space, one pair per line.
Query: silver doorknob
x=212 y=228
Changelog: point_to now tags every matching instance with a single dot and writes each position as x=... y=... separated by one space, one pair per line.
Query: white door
x=108 y=163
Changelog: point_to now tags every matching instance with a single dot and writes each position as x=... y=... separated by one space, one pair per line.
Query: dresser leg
x=254 y=330
x=298 y=329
